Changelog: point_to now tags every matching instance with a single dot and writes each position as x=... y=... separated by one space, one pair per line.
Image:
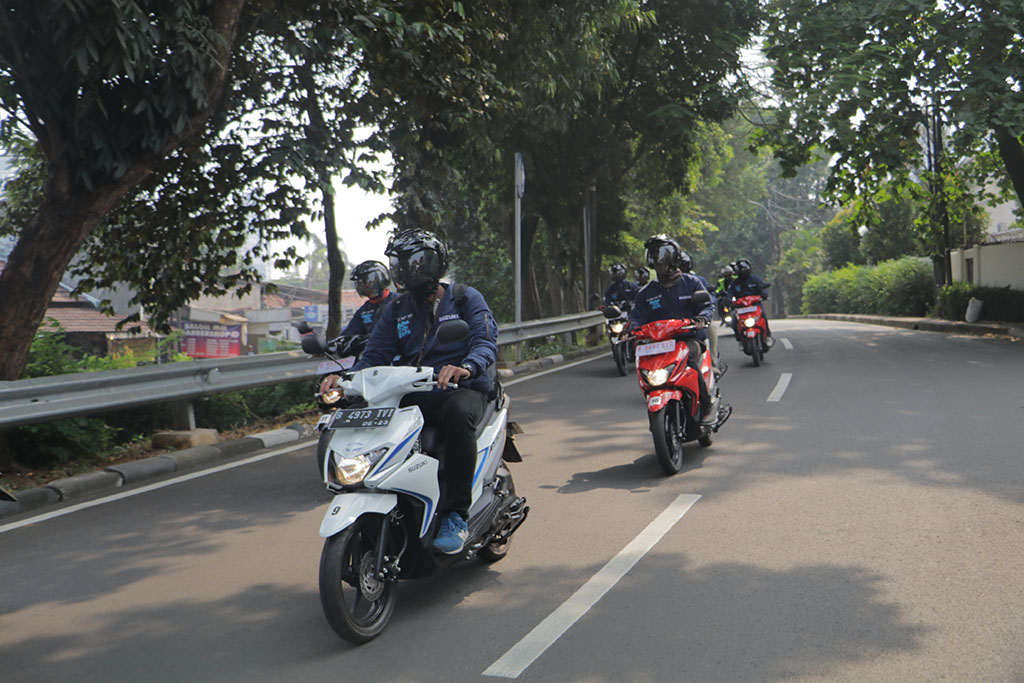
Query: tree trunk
x=35 y=266
x=335 y=266
x=1012 y=154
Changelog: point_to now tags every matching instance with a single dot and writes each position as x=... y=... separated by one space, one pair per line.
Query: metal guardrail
x=42 y=399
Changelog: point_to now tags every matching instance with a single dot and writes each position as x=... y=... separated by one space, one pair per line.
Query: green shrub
x=1001 y=304
x=899 y=287
x=235 y=409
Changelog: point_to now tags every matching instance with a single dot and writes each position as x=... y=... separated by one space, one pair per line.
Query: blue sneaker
x=452 y=535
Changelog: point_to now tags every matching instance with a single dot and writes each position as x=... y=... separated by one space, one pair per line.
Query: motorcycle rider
x=748 y=284
x=670 y=297
x=371 y=280
x=621 y=290
x=686 y=265
x=418 y=260
x=643 y=276
x=725 y=276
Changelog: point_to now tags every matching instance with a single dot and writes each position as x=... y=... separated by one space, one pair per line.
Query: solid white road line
x=151 y=487
x=788 y=345
x=533 y=645
x=780 y=388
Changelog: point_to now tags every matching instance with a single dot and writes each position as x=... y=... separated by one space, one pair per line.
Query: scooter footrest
x=724 y=411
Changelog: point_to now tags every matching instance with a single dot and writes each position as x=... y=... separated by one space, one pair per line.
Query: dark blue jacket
x=656 y=302
x=750 y=285
x=620 y=292
x=365 y=316
x=398 y=336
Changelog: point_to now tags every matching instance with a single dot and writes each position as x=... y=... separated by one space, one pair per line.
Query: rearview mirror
x=701 y=297
x=611 y=311
x=313 y=345
x=452 y=331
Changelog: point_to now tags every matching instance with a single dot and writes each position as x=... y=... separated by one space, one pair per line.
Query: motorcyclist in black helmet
x=725 y=276
x=405 y=333
x=371 y=279
x=620 y=291
x=747 y=284
x=670 y=297
x=643 y=276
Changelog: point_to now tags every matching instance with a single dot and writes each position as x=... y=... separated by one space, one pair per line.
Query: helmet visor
x=662 y=257
x=414 y=268
x=372 y=283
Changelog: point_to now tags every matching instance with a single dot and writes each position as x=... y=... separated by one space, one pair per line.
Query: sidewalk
x=106 y=481
x=1011 y=330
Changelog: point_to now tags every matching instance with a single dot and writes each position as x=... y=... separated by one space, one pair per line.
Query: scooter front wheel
x=619 y=352
x=357 y=603
x=755 y=351
x=668 y=446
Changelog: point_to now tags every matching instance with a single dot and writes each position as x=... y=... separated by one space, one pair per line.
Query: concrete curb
x=93 y=484
x=926 y=324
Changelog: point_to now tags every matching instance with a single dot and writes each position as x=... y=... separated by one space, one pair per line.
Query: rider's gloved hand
x=702 y=321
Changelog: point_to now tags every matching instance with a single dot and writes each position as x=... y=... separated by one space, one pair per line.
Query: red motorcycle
x=749 y=320
x=671 y=390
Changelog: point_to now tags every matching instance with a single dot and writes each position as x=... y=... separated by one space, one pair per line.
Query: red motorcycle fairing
x=682 y=378
x=659 y=398
x=752 y=301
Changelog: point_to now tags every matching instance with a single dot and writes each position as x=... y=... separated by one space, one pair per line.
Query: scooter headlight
x=728 y=320
x=658 y=377
x=331 y=396
x=617 y=327
x=351 y=470
x=750 y=322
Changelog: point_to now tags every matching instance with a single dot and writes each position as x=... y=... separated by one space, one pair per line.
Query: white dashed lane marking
x=780 y=388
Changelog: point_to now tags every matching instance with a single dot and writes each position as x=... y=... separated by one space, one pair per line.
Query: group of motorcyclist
x=670 y=297
x=397 y=329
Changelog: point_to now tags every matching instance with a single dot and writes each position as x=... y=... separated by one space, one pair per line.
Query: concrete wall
x=994 y=265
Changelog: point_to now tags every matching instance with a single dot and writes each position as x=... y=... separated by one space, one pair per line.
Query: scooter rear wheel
x=357 y=604
x=668 y=446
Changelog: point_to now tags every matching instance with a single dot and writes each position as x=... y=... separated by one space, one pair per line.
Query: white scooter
x=382 y=462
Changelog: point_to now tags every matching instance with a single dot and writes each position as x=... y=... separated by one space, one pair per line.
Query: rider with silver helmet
x=670 y=297
x=620 y=291
x=405 y=333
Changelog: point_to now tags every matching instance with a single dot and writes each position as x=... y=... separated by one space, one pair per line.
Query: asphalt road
x=865 y=524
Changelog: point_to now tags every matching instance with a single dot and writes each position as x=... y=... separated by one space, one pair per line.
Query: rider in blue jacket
x=371 y=279
x=405 y=333
x=747 y=284
x=670 y=297
x=620 y=291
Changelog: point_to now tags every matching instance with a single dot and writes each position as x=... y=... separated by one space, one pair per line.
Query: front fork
x=386 y=566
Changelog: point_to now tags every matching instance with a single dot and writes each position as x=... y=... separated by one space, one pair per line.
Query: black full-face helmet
x=742 y=268
x=618 y=272
x=726 y=271
x=663 y=254
x=685 y=262
x=418 y=260
x=371 y=279
x=643 y=276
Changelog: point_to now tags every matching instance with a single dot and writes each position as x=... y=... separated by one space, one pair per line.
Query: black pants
x=456 y=412
x=693 y=360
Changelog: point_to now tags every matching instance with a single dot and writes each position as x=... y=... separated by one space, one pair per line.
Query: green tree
x=900 y=94
x=107 y=90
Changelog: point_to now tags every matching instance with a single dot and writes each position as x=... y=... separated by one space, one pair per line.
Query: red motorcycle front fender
x=659 y=398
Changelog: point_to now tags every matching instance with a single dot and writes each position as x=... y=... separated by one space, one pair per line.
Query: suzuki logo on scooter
x=417 y=466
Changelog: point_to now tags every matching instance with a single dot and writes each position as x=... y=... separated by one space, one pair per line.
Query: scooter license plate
x=656 y=348
x=328 y=366
x=362 y=418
